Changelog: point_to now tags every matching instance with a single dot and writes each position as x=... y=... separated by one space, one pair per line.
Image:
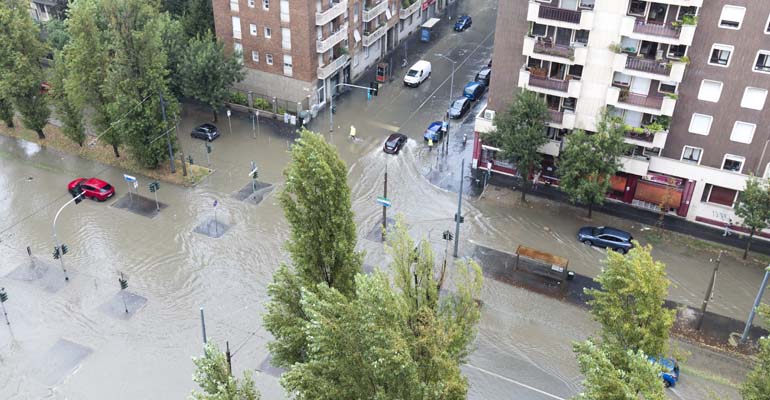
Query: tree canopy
x=757 y=383
x=212 y=374
x=754 y=208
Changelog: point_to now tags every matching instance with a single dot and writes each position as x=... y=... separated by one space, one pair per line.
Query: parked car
x=92 y=188
x=474 y=90
x=394 y=143
x=418 y=73
x=206 y=132
x=484 y=76
x=489 y=64
x=611 y=238
x=463 y=23
x=459 y=107
x=435 y=131
x=670 y=370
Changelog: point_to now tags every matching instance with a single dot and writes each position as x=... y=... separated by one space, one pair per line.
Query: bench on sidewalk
x=542 y=263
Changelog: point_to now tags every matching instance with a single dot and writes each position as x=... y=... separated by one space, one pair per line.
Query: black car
x=459 y=107
x=604 y=236
x=484 y=76
x=463 y=23
x=206 y=132
x=394 y=143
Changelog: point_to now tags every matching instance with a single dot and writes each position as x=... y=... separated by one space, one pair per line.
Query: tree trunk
x=214 y=111
x=748 y=244
x=184 y=165
x=40 y=134
x=524 y=184
x=115 y=150
x=590 y=209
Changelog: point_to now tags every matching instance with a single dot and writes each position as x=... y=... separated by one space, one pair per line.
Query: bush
x=262 y=104
x=239 y=98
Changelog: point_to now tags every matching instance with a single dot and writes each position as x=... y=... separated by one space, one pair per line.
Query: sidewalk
x=622 y=210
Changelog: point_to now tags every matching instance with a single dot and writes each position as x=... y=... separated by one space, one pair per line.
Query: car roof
x=615 y=232
x=394 y=136
x=471 y=85
x=435 y=125
x=420 y=64
x=207 y=126
x=94 y=182
x=485 y=71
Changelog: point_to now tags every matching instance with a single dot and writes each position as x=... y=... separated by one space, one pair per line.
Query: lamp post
x=756 y=305
x=451 y=96
x=56 y=243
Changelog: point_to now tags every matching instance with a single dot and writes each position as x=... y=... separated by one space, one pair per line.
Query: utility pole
x=458 y=216
x=168 y=139
x=756 y=305
x=709 y=291
x=57 y=253
x=203 y=327
x=229 y=358
x=384 y=207
x=123 y=286
x=451 y=97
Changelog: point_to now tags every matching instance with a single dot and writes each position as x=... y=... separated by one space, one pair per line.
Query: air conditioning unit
x=489 y=114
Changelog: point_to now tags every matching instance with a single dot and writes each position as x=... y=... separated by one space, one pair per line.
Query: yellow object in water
x=352 y=132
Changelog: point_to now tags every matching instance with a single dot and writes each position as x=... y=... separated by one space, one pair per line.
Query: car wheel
x=621 y=250
x=588 y=242
x=666 y=383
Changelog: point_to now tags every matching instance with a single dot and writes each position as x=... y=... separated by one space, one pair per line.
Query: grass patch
x=655 y=236
x=103 y=153
x=718 y=379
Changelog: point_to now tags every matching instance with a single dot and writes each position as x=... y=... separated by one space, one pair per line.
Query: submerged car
x=435 y=131
x=394 y=143
x=207 y=132
x=92 y=188
x=670 y=370
x=604 y=236
x=459 y=107
x=463 y=23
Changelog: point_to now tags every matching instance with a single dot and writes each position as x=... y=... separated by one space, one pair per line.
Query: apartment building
x=300 y=50
x=689 y=78
x=42 y=10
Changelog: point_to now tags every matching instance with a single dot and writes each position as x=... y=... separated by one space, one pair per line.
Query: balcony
x=560 y=17
x=551 y=148
x=373 y=12
x=323 y=18
x=371 y=38
x=542 y=50
x=649 y=140
x=404 y=13
x=635 y=165
x=649 y=28
x=323 y=45
x=637 y=28
x=541 y=84
x=561 y=119
x=666 y=70
x=655 y=105
x=648 y=66
x=329 y=69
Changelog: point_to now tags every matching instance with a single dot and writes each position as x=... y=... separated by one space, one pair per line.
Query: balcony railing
x=404 y=13
x=556 y=116
x=641 y=100
x=372 y=37
x=324 y=45
x=323 y=18
x=559 y=14
x=329 y=69
x=547 y=83
x=643 y=136
x=655 y=29
x=646 y=65
x=554 y=49
x=371 y=13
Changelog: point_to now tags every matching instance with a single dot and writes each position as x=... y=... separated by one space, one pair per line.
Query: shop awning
x=658 y=194
x=618 y=183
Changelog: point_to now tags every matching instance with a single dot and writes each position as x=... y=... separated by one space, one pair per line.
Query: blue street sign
x=215 y=203
x=384 y=201
x=129 y=178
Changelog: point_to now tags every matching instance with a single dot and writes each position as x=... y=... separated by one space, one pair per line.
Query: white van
x=419 y=72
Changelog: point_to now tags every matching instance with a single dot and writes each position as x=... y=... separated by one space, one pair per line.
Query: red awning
x=658 y=194
x=618 y=183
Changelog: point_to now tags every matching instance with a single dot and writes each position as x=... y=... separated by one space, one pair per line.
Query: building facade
x=43 y=10
x=300 y=50
x=689 y=79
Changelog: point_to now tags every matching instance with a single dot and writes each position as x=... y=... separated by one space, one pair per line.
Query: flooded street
x=73 y=339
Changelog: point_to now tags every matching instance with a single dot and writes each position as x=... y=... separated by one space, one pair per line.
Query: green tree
x=757 y=383
x=67 y=110
x=604 y=381
x=316 y=201
x=56 y=34
x=588 y=161
x=20 y=70
x=754 y=208
x=520 y=132
x=397 y=341
x=6 y=111
x=197 y=17
x=174 y=43
x=212 y=374
x=629 y=305
x=207 y=72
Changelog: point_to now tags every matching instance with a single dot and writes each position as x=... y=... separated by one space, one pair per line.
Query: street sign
x=229 y=113
x=384 y=201
x=136 y=185
x=215 y=203
x=129 y=178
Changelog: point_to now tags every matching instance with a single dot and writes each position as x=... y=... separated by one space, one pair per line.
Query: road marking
x=553 y=396
x=385 y=126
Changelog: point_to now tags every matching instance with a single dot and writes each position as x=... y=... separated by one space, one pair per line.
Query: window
x=251 y=3
x=767 y=26
x=743 y=132
x=732 y=17
x=355 y=12
x=637 y=7
x=234 y=5
x=581 y=36
x=255 y=56
x=287 y=66
x=754 y=98
x=719 y=195
x=692 y=154
x=667 y=87
x=284 y=10
x=238 y=48
x=253 y=29
x=286 y=38
x=733 y=163
x=265 y=4
x=269 y=59
x=767 y=171
x=710 y=90
x=762 y=63
x=268 y=32
x=237 y=27
x=700 y=124
x=677 y=51
x=539 y=29
x=720 y=55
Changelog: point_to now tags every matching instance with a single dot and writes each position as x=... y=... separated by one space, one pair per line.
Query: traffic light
x=64 y=249
x=255 y=174
x=56 y=253
x=374 y=87
x=447 y=235
x=3 y=295
x=154 y=186
x=123 y=282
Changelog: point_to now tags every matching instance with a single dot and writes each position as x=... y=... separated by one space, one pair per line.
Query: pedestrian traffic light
x=447 y=235
x=56 y=254
x=374 y=87
x=64 y=249
x=3 y=295
x=123 y=282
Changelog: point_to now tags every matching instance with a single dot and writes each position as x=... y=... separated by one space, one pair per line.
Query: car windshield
x=595 y=231
x=458 y=104
x=412 y=72
x=106 y=188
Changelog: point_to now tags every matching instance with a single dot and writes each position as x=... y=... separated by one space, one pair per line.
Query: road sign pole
x=458 y=216
x=756 y=305
x=228 y=121
x=259 y=131
x=203 y=327
x=253 y=178
x=157 y=205
x=384 y=208
x=3 y=299
x=709 y=291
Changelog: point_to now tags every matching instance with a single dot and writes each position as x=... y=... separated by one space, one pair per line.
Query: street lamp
x=756 y=305
x=451 y=97
x=56 y=243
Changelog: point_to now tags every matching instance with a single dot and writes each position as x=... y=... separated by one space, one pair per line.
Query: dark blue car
x=463 y=23
x=669 y=370
x=435 y=131
x=610 y=238
x=474 y=90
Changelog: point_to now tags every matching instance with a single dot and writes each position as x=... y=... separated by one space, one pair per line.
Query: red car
x=92 y=188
